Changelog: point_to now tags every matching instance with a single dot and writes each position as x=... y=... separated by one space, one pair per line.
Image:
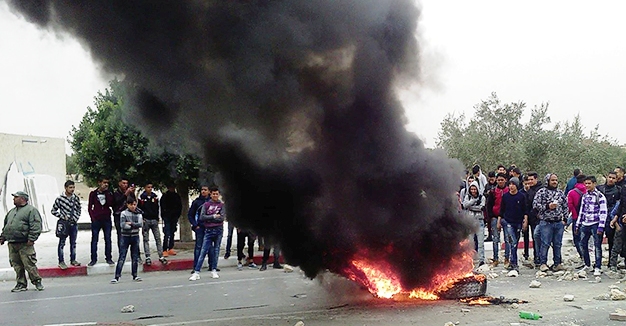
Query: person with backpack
x=574 y=197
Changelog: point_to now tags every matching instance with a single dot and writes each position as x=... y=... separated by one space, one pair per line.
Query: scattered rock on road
x=129 y=308
x=534 y=284
x=617 y=295
x=568 y=297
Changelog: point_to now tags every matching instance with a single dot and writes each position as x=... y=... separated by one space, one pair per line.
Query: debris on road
x=619 y=314
x=513 y=273
x=534 y=284
x=127 y=309
x=568 y=297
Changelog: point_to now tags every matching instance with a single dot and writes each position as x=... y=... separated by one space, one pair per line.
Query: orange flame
x=382 y=282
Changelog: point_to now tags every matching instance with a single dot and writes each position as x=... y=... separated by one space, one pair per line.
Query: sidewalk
x=47 y=259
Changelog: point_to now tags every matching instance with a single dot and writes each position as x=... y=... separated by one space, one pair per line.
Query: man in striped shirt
x=591 y=222
x=67 y=207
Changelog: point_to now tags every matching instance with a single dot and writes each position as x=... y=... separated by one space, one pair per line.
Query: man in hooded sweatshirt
x=574 y=197
x=551 y=206
x=473 y=203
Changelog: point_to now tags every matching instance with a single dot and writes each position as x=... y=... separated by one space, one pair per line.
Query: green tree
x=495 y=135
x=70 y=165
x=105 y=145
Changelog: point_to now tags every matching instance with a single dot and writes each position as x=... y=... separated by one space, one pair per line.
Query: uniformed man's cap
x=20 y=194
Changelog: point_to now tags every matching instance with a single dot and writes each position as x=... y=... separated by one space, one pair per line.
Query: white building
x=35 y=165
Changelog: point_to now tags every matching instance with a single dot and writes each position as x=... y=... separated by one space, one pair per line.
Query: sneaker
x=252 y=265
x=110 y=262
x=62 y=265
x=214 y=274
x=74 y=263
x=148 y=261
x=137 y=279
x=163 y=260
x=579 y=265
x=277 y=265
x=195 y=276
x=115 y=280
x=585 y=269
x=495 y=263
x=227 y=255
x=263 y=267
x=91 y=263
x=39 y=286
x=558 y=268
x=544 y=268
x=172 y=252
x=239 y=266
x=19 y=288
x=166 y=254
x=510 y=267
x=597 y=272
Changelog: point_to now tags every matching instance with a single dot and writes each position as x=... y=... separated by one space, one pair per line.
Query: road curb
x=8 y=274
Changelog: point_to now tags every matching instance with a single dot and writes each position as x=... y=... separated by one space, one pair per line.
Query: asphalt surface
x=273 y=297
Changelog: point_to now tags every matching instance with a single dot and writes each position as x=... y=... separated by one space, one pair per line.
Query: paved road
x=251 y=297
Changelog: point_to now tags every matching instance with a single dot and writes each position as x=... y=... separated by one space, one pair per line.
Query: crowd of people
x=505 y=201
x=517 y=205
x=131 y=214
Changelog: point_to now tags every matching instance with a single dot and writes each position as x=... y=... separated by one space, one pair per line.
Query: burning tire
x=468 y=287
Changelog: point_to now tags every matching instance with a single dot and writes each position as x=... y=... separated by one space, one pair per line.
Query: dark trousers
x=169 y=229
x=266 y=251
x=96 y=226
x=530 y=232
x=241 y=242
x=118 y=230
x=610 y=235
x=198 y=246
x=229 y=238
x=73 y=233
x=133 y=243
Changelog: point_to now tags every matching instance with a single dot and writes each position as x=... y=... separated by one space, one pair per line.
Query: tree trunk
x=183 y=222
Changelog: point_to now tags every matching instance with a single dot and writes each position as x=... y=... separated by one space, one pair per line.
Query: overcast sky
x=569 y=53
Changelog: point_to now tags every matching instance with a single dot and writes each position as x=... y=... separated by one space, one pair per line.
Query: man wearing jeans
x=198 y=228
x=494 y=202
x=591 y=222
x=99 y=208
x=212 y=214
x=514 y=219
x=551 y=206
x=67 y=207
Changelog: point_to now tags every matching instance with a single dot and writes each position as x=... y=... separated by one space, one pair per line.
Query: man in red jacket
x=99 y=208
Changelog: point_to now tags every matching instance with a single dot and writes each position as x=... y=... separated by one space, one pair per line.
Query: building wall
x=33 y=154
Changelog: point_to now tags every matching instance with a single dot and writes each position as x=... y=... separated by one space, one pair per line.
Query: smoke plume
x=294 y=103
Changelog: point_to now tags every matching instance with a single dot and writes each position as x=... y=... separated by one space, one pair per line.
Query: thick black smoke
x=294 y=103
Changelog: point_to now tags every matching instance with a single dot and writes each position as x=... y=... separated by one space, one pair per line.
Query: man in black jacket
x=533 y=221
x=149 y=204
x=171 y=207
x=611 y=192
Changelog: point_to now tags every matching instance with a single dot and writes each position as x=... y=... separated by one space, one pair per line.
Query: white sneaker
x=597 y=272
x=195 y=276
x=214 y=274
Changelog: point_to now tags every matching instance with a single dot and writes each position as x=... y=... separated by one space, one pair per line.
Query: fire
x=480 y=301
x=378 y=282
x=382 y=282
